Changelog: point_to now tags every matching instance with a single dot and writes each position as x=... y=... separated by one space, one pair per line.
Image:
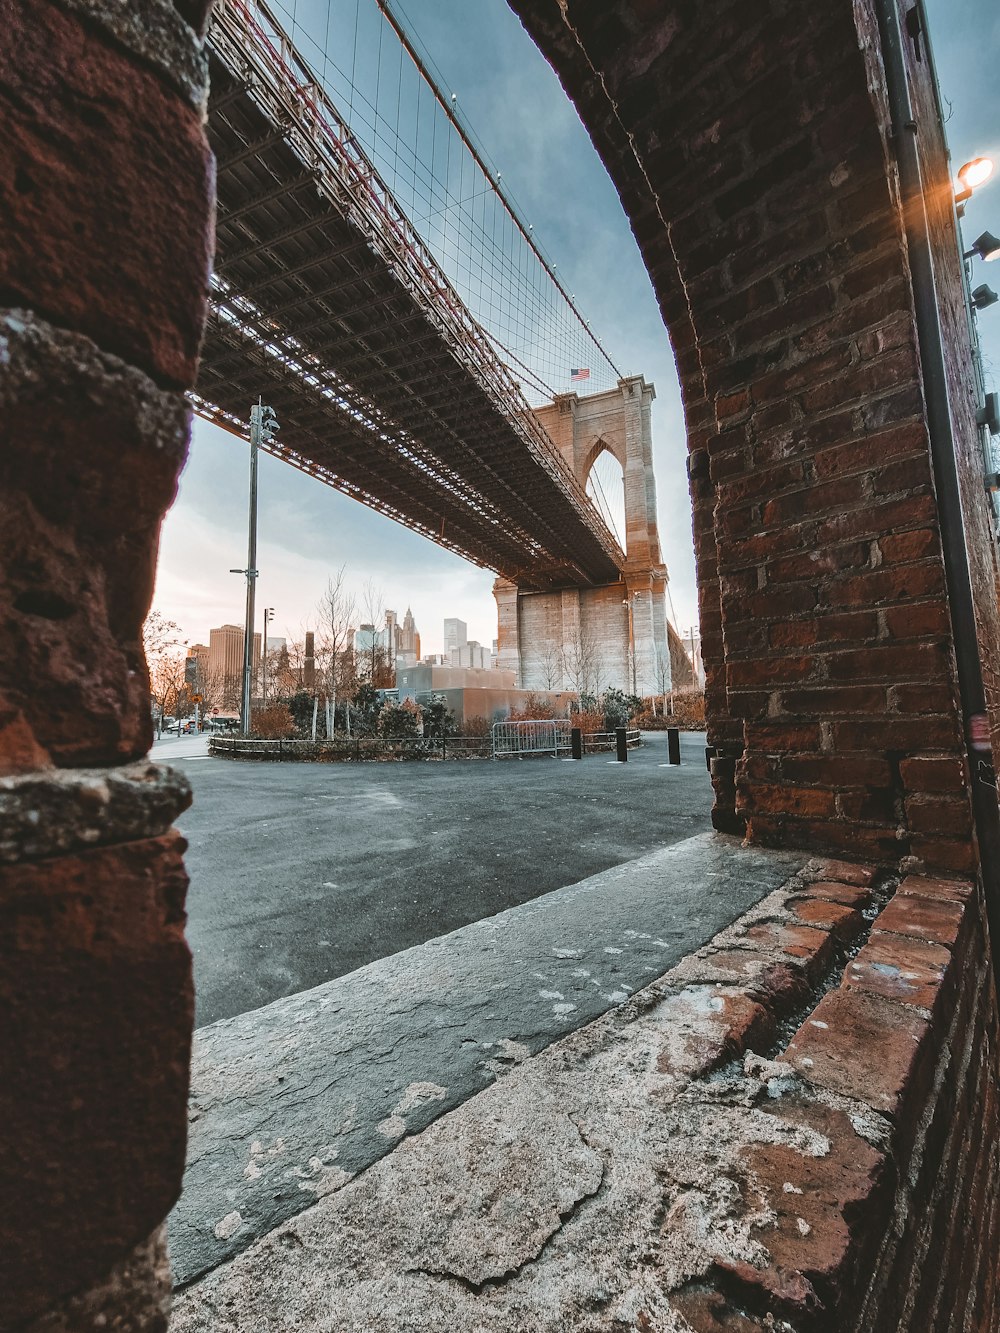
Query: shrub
x=477 y=726
x=589 y=721
x=439 y=720
x=399 y=719
x=273 y=723
x=532 y=709
x=687 y=710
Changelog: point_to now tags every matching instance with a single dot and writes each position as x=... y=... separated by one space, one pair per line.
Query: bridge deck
x=327 y=304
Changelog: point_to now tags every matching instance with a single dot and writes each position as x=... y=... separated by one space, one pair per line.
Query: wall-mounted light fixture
x=971 y=175
x=986 y=247
x=989 y=414
x=983 y=296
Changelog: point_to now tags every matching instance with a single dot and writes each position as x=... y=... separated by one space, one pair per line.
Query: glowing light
x=976 y=172
x=971 y=176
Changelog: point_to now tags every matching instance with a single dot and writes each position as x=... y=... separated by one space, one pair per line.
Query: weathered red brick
x=933 y=773
x=842 y=921
x=864 y=1048
x=940 y=890
x=851 y=895
x=95 y=984
x=843 y=872
x=105 y=186
x=809 y=948
x=824 y=1212
x=939 y=814
x=935 y=920
x=894 y=967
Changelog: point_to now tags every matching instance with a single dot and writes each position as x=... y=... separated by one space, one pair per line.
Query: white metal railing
x=544 y=736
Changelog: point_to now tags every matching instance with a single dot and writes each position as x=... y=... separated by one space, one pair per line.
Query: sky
x=514 y=104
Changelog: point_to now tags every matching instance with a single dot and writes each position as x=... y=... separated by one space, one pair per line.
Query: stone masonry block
x=161 y=33
x=893 y=967
x=863 y=1048
x=71 y=810
x=95 y=987
x=106 y=183
x=91 y=452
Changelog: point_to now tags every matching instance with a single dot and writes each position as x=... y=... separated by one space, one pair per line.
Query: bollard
x=621 y=740
x=673 y=745
x=576 y=743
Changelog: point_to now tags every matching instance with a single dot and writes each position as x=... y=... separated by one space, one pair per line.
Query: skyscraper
x=456 y=635
x=225 y=653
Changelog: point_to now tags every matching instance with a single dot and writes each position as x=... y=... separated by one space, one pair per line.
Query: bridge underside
x=401 y=406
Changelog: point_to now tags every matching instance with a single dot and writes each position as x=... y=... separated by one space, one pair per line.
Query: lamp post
x=263 y=424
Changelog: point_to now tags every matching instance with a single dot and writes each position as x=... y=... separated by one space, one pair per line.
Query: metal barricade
x=544 y=736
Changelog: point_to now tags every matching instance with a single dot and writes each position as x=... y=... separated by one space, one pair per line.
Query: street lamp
x=971 y=175
x=263 y=425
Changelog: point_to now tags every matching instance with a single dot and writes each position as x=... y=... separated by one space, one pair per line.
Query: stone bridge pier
x=589 y=638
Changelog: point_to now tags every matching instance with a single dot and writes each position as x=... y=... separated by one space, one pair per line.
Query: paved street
x=301 y=873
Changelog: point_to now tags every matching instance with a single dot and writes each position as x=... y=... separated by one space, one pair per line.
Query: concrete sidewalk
x=291 y=1101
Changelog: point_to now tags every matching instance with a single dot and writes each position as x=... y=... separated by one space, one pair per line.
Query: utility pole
x=263 y=424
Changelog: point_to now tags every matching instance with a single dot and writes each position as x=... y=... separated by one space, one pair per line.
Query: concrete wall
x=496 y=704
x=579 y=639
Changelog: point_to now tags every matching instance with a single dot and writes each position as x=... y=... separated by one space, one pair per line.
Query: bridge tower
x=588 y=638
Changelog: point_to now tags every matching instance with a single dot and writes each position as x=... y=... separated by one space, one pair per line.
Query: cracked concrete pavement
x=593 y=1186
x=301 y=873
x=290 y=1102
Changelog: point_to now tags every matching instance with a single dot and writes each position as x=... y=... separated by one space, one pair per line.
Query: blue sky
x=514 y=103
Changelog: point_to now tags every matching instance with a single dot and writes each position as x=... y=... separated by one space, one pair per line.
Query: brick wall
x=105 y=198
x=891 y=1220
x=750 y=155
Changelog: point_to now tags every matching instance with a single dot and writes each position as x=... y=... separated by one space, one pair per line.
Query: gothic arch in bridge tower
x=584 y=637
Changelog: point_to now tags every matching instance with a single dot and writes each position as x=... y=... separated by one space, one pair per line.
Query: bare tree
x=662 y=678
x=380 y=661
x=165 y=660
x=337 y=609
x=584 y=663
x=551 y=666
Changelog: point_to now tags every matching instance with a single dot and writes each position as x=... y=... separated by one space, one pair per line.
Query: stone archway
x=752 y=156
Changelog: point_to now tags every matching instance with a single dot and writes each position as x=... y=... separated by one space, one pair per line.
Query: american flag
x=579 y=374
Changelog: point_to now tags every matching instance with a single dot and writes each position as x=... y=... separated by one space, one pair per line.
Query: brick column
x=754 y=159
x=106 y=196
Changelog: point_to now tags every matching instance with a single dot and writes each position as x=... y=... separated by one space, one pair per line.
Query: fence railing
x=600 y=742
x=355 y=747
x=506 y=740
x=546 y=736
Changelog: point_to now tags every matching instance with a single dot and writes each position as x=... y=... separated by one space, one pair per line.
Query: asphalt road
x=301 y=873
